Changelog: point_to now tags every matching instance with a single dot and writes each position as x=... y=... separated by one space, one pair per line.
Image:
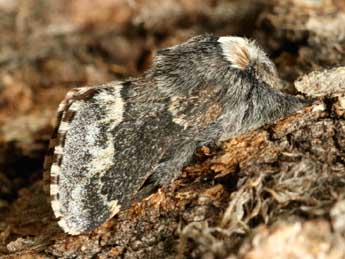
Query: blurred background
x=48 y=47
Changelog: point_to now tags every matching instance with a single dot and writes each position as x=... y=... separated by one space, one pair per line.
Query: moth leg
x=174 y=159
x=210 y=138
x=212 y=145
x=167 y=170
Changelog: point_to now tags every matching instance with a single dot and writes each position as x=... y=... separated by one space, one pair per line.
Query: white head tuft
x=240 y=52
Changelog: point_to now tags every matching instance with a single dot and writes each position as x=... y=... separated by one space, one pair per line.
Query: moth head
x=245 y=56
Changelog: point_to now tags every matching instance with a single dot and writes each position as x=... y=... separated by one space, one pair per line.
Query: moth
x=118 y=142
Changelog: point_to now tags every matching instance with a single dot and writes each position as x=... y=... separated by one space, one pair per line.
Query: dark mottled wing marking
x=198 y=110
x=82 y=149
x=194 y=115
x=111 y=148
x=58 y=136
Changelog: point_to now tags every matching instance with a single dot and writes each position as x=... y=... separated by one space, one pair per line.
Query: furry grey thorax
x=250 y=94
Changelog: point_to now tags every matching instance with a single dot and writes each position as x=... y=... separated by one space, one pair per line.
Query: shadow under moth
x=118 y=142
